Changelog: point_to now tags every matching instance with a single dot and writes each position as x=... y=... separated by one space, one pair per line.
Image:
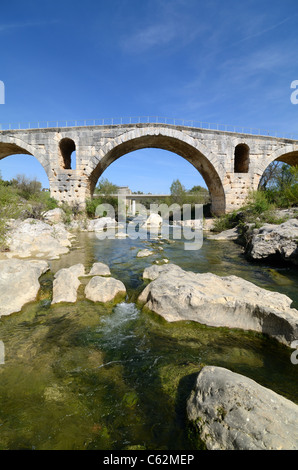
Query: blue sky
x=226 y=62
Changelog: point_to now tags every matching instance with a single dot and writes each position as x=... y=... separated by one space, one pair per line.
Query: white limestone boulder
x=104 y=289
x=19 y=283
x=54 y=216
x=34 y=238
x=154 y=220
x=218 y=301
x=100 y=269
x=144 y=253
x=275 y=242
x=66 y=284
x=233 y=412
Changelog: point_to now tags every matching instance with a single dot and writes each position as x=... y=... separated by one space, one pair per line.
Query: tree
x=178 y=192
x=106 y=187
x=276 y=175
x=198 y=188
x=26 y=187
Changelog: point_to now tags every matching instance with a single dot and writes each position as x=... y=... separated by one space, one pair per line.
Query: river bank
x=119 y=357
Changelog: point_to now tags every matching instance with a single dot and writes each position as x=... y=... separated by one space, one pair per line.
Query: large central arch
x=176 y=142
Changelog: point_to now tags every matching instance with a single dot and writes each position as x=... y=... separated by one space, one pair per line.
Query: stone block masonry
x=231 y=164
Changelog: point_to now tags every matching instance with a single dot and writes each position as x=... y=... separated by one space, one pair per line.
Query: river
x=92 y=376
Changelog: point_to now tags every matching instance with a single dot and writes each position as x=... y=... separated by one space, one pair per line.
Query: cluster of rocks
x=100 y=288
x=270 y=243
x=228 y=410
x=26 y=273
x=275 y=242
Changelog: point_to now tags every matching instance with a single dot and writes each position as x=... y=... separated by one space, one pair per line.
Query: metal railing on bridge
x=145 y=120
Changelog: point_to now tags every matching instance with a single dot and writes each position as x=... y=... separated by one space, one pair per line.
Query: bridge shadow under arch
x=190 y=153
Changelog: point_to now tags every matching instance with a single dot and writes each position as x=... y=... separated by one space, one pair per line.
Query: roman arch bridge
x=231 y=163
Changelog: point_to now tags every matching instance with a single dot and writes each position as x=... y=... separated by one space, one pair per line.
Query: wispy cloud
x=266 y=30
x=152 y=36
x=172 y=24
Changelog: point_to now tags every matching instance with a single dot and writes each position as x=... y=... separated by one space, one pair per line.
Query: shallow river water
x=89 y=376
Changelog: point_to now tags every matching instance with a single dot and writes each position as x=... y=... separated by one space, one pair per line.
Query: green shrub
x=91 y=205
x=258 y=203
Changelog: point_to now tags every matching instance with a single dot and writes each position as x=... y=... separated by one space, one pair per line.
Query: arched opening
x=176 y=146
x=26 y=165
x=19 y=160
x=241 y=158
x=67 y=149
x=24 y=184
x=276 y=172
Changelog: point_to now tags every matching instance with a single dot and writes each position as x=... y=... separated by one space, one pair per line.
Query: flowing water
x=93 y=376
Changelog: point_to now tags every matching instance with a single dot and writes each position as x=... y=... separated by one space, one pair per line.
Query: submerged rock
x=66 y=283
x=275 y=242
x=19 y=283
x=196 y=224
x=34 y=238
x=231 y=234
x=104 y=289
x=232 y=412
x=218 y=301
x=144 y=253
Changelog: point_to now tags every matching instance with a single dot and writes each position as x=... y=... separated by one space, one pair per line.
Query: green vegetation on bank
x=22 y=198
x=278 y=192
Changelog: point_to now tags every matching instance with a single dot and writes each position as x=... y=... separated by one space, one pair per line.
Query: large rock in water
x=99 y=269
x=275 y=242
x=66 y=283
x=219 y=301
x=154 y=220
x=232 y=412
x=100 y=224
x=104 y=289
x=19 y=283
x=34 y=238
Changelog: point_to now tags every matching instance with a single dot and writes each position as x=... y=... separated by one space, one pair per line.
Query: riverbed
x=114 y=376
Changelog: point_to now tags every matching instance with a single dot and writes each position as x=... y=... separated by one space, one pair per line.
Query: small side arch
x=8 y=148
x=241 y=158
x=66 y=147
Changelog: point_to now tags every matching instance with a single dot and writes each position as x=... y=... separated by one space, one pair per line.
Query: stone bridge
x=230 y=163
